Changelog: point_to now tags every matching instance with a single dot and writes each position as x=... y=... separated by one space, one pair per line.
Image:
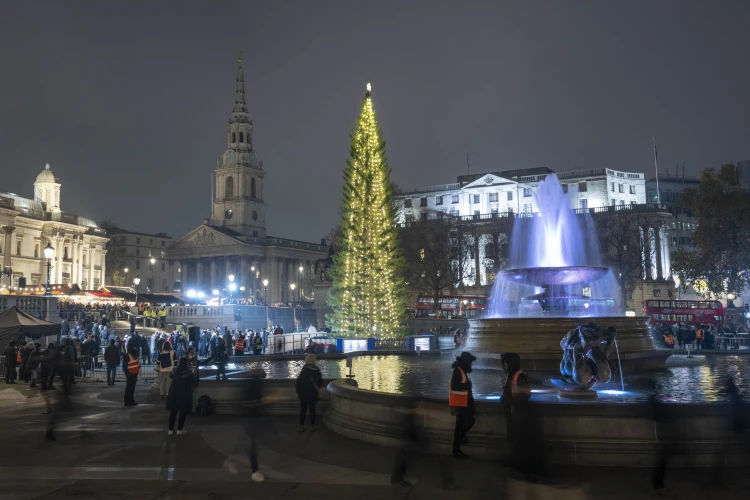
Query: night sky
x=128 y=101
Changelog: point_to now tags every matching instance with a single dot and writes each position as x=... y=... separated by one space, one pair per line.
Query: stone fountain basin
x=554 y=276
x=537 y=341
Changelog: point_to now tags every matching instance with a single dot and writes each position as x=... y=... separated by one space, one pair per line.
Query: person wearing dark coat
x=308 y=384
x=145 y=350
x=32 y=364
x=180 y=398
x=10 y=363
x=464 y=410
x=523 y=431
x=111 y=359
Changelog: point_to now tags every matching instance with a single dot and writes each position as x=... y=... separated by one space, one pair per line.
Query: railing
x=292 y=343
x=199 y=310
x=429 y=189
x=93 y=369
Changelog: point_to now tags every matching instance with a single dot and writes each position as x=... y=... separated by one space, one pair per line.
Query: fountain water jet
x=556 y=277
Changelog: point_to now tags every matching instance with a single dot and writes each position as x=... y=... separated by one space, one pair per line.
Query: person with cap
x=308 y=385
x=522 y=435
x=461 y=401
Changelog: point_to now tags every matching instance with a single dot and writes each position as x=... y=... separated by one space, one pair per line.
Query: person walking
x=461 y=401
x=111 y=359
x=166 y=364
x=10 y=363
x=145 y=350
x=220 y=358
x=132 y=366
x=180 y=398
x=132 y=324
x=308 y=385
x=239 y=346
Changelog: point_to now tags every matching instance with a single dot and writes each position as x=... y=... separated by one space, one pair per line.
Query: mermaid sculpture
x=584 y=361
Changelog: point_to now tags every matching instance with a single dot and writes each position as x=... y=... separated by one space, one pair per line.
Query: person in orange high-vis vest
x=239 y=346
x=461 y=401
x=131 y=369
x=698 y=336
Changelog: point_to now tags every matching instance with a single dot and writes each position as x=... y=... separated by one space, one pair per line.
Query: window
x=583 y=204
x=423 y=202
x=229 y=187
x=632 y=202
x=620 y=188
x=565 y=188
x=622 y=203
x=527 y=208
x=493 y=211
x=423 y=215
x=151 y=241
x=150 y=284
x=123 y=239
x=163 y=267
x=493 y=197
x=526 y=192
x=613 y=187
x=510 y=195
x=614 y=202
x=164 y=284
x=476 y=198
x=137 y=241
x=582 y=187
x=137 y=264
x=234 y=137
x=65 y=251
x=150 y=266
x=409 y=218
x=252 y=187
x=162 y=243
x=36 y=250
x=454 y=198
x=438 y=200
x=407 y=203
x=137 y=252
x=242 y=137
x=632 y=189
x=657 y=292
x=18 y=248
x=476 y=214
x=255 y=234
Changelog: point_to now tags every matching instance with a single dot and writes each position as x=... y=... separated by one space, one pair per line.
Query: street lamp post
x=232 y=287
x=153 y=281
x=49 y=252
x=292 y=286
x=136 y=282
x=265 y=291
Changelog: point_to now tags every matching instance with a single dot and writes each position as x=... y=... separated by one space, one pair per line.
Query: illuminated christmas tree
x=368 y=295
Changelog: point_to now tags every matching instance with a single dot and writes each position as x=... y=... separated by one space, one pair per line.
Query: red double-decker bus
x=452 y=305
x=693 y=312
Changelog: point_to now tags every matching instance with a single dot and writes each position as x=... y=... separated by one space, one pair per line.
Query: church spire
x=240 y=106
x=240 y=127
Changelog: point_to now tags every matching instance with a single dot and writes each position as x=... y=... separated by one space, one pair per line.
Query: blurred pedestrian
x=10 y=362
x=180 y=397
x=131 y=366
x=308 y=385
x=111 y=359
x=461 y=401
x=166 y=364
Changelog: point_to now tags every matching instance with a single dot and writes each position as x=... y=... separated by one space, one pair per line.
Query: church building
x=234 y=242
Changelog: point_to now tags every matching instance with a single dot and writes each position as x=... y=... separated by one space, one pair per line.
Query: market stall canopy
x=17 y=325
x=127 y=294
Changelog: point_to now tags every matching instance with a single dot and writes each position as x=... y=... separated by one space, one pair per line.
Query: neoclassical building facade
x=28 y=225
x=234 y=240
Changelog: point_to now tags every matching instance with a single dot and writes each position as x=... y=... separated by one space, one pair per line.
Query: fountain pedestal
x=537 y=341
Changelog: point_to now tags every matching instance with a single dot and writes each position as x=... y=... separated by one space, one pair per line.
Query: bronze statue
x=585 y=361
x=325 y=265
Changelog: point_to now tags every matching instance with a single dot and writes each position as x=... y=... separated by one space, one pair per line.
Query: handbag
x=321 y=390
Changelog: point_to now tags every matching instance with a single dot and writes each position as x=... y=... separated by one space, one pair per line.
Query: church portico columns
x=213 y=273
x=198 y=273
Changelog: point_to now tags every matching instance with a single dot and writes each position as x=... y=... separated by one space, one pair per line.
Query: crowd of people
x=688 y=336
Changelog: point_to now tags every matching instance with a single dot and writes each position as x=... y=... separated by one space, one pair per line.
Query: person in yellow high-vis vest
x=461 y=401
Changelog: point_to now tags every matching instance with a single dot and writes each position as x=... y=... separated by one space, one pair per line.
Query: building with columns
x=30 y=224
x=233 y=241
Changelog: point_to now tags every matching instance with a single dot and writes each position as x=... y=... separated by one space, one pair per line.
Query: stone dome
x=46 y=175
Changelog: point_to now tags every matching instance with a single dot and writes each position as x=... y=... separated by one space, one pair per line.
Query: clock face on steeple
x=230 y=157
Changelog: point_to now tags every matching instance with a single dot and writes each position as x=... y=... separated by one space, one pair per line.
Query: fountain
x=556 y=279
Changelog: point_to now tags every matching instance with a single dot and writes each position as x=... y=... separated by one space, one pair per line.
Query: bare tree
x=433 y=252
x=627 y=244
x=115 y=259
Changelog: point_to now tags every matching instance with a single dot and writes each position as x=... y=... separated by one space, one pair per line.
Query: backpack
x=205 y=406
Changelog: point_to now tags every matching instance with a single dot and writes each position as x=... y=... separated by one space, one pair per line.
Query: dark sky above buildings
x=128 y=101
